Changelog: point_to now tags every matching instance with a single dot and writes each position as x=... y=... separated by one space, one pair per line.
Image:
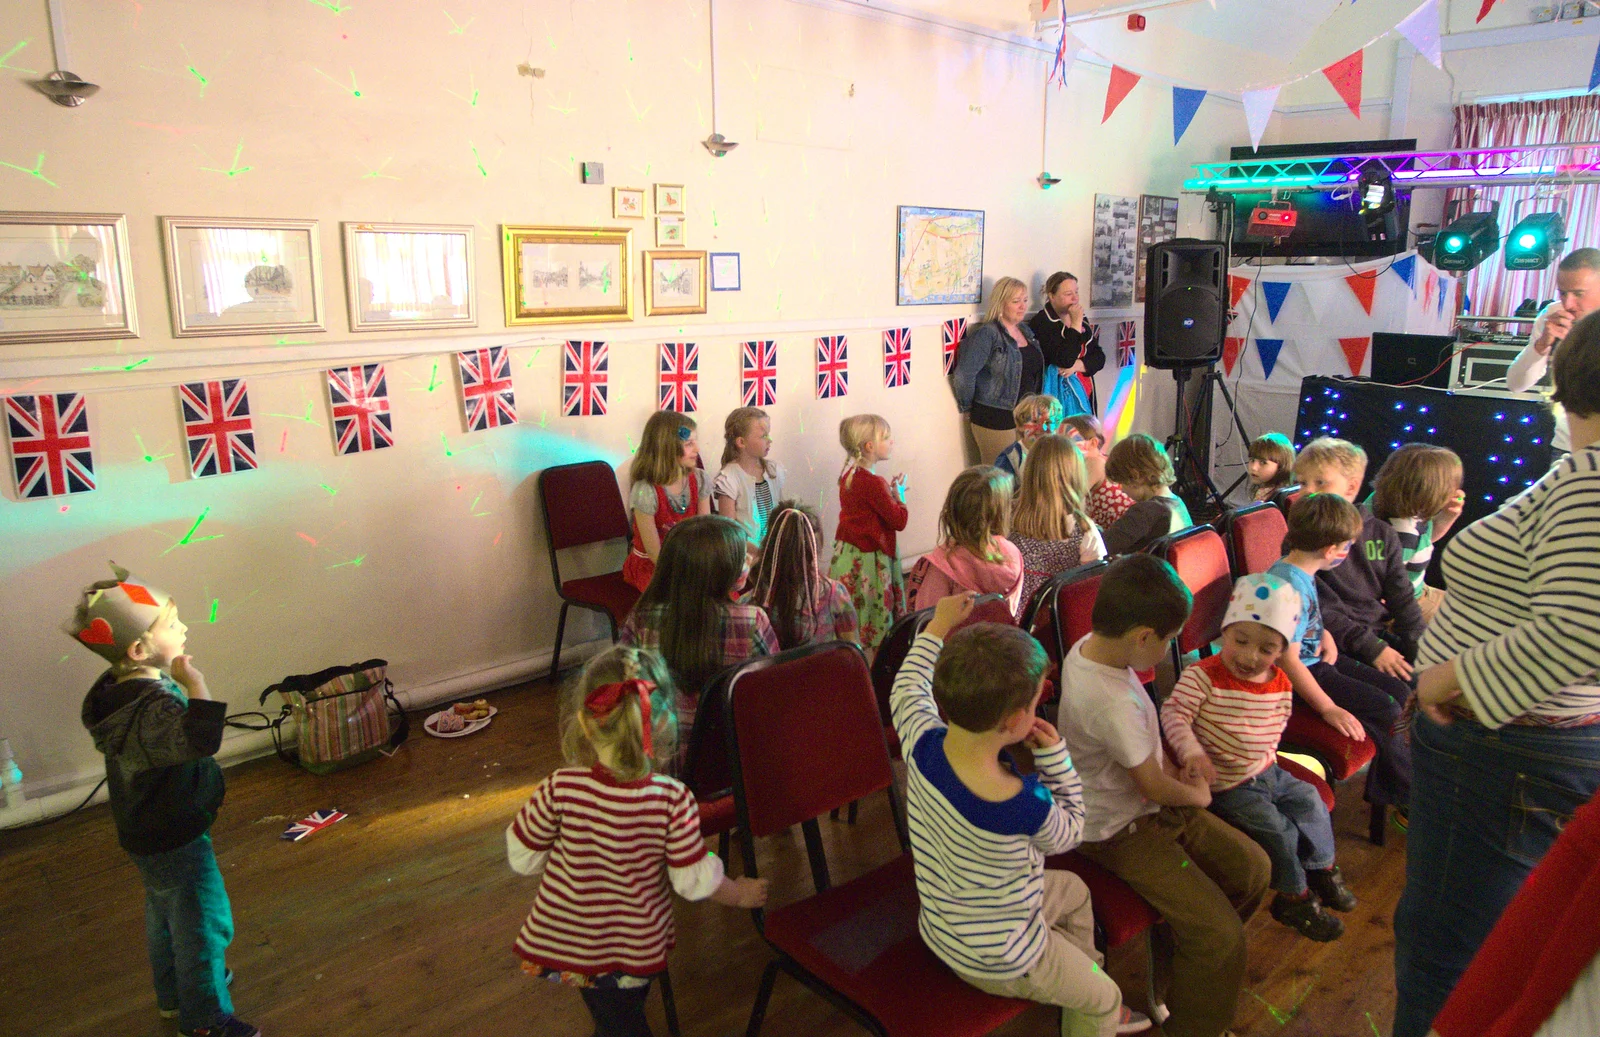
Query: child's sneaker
x=172 y=1013
x=1330 y=889
x=1307 y=917
x=231 y=1026
x=1133 y=1022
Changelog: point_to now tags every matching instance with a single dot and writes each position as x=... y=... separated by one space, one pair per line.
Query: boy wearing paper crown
x=153 y=718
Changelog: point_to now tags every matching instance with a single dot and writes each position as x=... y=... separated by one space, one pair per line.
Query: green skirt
x=876 y=586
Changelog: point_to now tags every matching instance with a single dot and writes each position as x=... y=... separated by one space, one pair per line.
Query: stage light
x=1272 y=221
x=1375 y=191
x=1535 y=241
x=1466 y=242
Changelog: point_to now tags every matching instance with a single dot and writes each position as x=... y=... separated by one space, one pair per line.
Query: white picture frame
x=725 y=272
x=65 y=276
x=240 y=276
x=410 y=276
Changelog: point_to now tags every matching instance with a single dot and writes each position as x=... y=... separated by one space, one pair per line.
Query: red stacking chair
x=1340 y=755
x=582 y=505
x=1285 y=498
x=805 y=738
x=1073 y=605
x=706 y=771
x=988 y=608
x=1310 y=778
x=1255 y=533
x=891 y=653
x=1201 y=559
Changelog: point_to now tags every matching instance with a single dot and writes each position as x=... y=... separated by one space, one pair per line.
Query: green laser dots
x=474 y=505
x=693 y=65
x=535 y=356
x=333 y=491
x=190 y=538
x=1372 y=1024
x=202 y=79
x=305 y=417
x=354 y=562
x=632 y=449
x=477 y=159
x=5 y=59
x=637 y=114
x=353 y=90
x=447 y=451
x=458 y=29
x=379 y=174
x=567 y=109
x=234 y=169
x=37 y=172
x=544 y=419
x=121 y=367
x=332 y=5
x=1183 y=864
x=215 y=602
x=149 y=458
x=630 y=50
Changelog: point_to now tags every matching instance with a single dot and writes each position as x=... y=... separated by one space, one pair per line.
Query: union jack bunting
x=680 y=378
x=50 y=449
x=585 y=370
x=896 y=357
x=833 y=367
x=758 y=374
x=486 y=392
x=1127 y=335
x=955 y=329
x=308 y=825
x=217 y=424
x=361 y=418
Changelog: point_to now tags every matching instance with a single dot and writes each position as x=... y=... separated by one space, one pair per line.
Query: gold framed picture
x=405 y=276
x=674 y=282
x=627 y=203
x=669 y=199
x=557 y=275
x=65 y=276
x=232 y=276
x=669 y=231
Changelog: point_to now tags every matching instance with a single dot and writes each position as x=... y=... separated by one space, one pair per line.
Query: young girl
x=1049 y=525
x=1106 y=502
x=1271 y=465
x=1035 y=416
x=668 y=487
x=608 y=825
x=1140 y=464
x=866 y=558
x=749 y=484
x=973 y=554
x=789 y=583
x=1418 y=492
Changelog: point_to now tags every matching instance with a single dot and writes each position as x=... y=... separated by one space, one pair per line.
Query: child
x=789 y=583
x=1144 y=822
x=871 y=511
x=973 y=553
x=608 y=826
x=1418 y=493
x=1140 y=464
x=981 y=832
x=1049 y=526
x=153 y=718
x=1106 y=501
x=667 y=488
x=1271 y=465
x=1223 y=721
x=749 y=484
x=1322 y=527
x=1035 y=416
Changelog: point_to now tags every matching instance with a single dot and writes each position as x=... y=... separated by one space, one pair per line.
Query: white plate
x=430 y=725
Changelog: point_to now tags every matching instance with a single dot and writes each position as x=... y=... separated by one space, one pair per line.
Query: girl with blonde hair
x=1050 y=525
x=750 y=483
x=866 y=556
x=973 y=552
x=668 y=487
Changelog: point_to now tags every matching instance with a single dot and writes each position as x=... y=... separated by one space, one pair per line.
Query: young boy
x=1322 y=527
x=1141 y=465
x=1035 y=416
x=980 y=833
x=158 y=739
x=1223 y=721
x=1144 y=822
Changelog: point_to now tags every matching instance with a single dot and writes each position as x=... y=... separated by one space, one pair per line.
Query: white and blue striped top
x=979 y=864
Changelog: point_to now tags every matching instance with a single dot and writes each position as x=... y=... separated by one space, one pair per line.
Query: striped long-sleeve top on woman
x=604 y=852
x=1522 y=619
x=979 y=864
x=1237 y=723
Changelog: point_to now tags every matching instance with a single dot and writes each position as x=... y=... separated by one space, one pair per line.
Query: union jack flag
x=486 y=390
x=50 y=448
x=1126 y=337
x=217 y=423
x=896 y=357
x=585 y=370
x=315 y=823
x=361 y=418
x=680 y=378
x=758 y=374
x=955 y=329
x=833 y=367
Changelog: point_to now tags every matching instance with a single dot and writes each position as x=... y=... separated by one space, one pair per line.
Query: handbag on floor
x=343 y=716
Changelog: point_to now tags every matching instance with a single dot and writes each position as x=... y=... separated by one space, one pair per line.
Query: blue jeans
x=188 y=926
x=1287 y=817
x=1485 y=806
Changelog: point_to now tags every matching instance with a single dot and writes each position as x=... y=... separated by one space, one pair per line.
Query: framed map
x=940 y=256
x=1116 y=221
x=1158 y=222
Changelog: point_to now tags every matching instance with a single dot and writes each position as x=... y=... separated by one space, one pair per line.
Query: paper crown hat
x=1268 y=600
x=115 y=613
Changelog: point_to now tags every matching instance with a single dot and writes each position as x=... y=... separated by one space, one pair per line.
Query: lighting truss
x=1408 y=170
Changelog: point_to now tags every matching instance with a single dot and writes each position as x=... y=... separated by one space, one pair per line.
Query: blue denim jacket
x=989 y=367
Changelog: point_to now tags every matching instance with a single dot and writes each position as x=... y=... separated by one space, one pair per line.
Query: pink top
x=945 y=571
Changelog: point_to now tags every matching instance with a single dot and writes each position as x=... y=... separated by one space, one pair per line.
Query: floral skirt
x=876 y=588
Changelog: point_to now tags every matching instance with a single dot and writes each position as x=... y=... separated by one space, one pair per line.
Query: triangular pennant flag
x=1441 y=297
x=1230 y=353
x=1236 y=288
x=1268 y=348
x=1484 y=10
x=1407 y=269
x=1362 y=285
x=1276 y=292
x=1122 y=81
x=1258 y=105
x=1185 y=103
x=1355 y=351
x=1318 y=295
x=1421 y=27
x=1345 y=75
x=1594 y=73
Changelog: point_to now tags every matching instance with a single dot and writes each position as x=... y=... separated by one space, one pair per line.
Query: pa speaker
x=1185 y=310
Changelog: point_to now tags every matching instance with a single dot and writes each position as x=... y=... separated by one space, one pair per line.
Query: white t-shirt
x=1529 y=367
x=1110 y=727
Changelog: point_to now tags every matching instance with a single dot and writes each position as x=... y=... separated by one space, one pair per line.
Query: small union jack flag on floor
x=51 y=453
x=315 y=823
x=758 y=373
x=486 y=392
x=361 y=418
x=217 y=423
x=585 y=370
x=896 y=357
x=680 y=378
x=955 y=329
x=1127 y=335
x=833 y=367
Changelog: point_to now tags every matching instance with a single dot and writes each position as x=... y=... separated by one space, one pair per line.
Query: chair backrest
x=582 y=505
x=1039 y=618
x=1201 y=560
x=988 y=608
x=706 y=770
x=1256 y=534
x=1075 y=591
x=1286 y=497
x=892 y=652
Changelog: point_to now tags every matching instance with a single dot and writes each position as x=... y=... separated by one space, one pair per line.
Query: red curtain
x=1492 y=288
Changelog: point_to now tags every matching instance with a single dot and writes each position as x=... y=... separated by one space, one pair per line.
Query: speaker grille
x=1187 y=322
x=1184 y=314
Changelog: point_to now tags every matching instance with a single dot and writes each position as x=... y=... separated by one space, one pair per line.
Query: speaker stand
x=1181 y=447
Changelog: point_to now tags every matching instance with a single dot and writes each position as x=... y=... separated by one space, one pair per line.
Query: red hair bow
x=602 y=700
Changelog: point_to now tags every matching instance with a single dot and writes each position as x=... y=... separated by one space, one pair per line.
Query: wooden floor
x=400 y=919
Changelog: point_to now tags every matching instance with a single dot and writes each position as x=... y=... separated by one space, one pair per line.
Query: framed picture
x=65 y=275
x=940 y=256
x=229 y=276
x=409 y=275
x=558 y=275
x=669 y=231
x=1115 y=264
x=725 y=271
x=627 y=203
x=1158 y=222
x=674 y=282
x=669 y=199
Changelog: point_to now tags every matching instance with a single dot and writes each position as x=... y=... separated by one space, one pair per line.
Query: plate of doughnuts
x=460 y=720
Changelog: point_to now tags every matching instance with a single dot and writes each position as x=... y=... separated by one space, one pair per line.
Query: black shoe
x=172 y=1013
x=230 y=1026
x=1306 y=917
x=1330 y=889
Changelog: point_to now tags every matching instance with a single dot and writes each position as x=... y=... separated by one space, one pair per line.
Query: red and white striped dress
x=608 y=855
x=1236 y=723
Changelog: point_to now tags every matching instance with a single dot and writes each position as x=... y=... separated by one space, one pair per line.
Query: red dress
x=638 y=568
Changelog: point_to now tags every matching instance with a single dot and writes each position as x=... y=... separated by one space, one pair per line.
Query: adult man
x=1577 y=296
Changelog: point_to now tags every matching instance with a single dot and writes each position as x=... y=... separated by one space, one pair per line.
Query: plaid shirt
x=746 y=634
x=1107 y=502
x=834 y=619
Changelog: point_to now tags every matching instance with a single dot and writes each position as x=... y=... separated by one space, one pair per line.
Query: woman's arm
x=971 y=358
x=1094 y=358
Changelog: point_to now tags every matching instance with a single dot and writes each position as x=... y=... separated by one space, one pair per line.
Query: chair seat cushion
x=717 y=816
x=861 y=939
x=1310 y=778
x=1121 y=912
x=1342 y=754
x=608 y=591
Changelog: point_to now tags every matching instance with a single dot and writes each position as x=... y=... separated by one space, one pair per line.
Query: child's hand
x=1199 y=789
x=1042 y=735
x=1393 y=663
x=186 y=674
x=1328 y=651
x=1345 y=723
x=1452 y=508
x=1435 y=686
x=949 y=612
x=746 y=892
x=1200 y=768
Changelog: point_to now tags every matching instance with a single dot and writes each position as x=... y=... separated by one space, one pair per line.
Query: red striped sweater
x=1236 y=723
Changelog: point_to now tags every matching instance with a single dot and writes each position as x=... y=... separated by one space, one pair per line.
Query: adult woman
x=1070 y=350
x=999 y=362
x=1506 y=745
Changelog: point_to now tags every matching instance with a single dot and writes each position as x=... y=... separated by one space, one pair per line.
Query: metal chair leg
x=724 y=841
x=668 y=1005
x=555 y=654
x=758 y=1013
